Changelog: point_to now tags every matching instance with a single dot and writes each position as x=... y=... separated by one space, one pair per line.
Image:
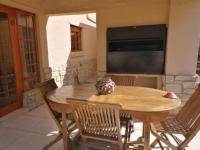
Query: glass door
x=10 y=76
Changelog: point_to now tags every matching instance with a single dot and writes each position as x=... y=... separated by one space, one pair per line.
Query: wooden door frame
x=17 y=63
x=36 y=47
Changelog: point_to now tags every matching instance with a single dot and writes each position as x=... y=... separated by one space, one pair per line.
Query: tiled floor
x=31 y=130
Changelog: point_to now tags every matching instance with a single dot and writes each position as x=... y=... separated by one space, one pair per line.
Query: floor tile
x=45 y=127
x=30 y=141
x=8 y=136
x=40 y=112
x=14 y=114
x=21 y=122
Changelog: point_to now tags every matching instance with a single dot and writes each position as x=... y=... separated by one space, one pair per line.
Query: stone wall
x=75 y=72
x=31 y=99
x=183 y=86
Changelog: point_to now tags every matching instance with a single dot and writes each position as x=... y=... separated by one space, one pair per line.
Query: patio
x=151 y=47
x=24 y=129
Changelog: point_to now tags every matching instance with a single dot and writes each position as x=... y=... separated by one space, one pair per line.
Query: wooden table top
x=138 y=99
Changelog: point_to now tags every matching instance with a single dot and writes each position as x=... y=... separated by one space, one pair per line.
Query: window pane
x=75 y=38
x=28 y=48
x=7 y=74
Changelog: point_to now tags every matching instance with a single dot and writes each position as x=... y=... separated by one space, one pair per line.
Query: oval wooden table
x=146 y=104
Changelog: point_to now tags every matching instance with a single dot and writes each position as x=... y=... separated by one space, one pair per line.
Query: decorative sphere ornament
x=105 y=86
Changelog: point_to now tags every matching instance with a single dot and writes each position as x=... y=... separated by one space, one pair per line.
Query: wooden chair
x=186 y=123
x=123 y=79
x=59 y=113
x=126 y=119
x=99 y=124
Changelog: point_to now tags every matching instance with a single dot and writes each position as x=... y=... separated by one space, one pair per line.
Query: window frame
x=78 y=43
x=36 y=77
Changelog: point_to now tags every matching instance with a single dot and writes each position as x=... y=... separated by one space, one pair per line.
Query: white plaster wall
x=183 y=37
x=59 y=38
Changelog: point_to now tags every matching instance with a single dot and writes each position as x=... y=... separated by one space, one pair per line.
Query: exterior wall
x=130 y=14
x=183 y=37
x=67 y=67
x=182 y=48
x=182 y=18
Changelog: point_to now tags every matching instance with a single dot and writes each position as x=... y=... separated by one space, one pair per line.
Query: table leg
x=65 y=133
x=147 y=129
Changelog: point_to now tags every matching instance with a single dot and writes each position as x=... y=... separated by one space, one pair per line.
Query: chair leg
x=130 y=130
x=160 y=144
x=58 y=138
x=126 y=135
x=153 y=144
x=85 y=147
x=165 y=141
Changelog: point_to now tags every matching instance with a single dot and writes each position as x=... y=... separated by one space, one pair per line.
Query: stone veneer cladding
x=183 y=86
x=73 y=73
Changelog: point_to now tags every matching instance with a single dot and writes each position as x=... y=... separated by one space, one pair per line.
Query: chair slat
x=99 y=121
x=123 y=79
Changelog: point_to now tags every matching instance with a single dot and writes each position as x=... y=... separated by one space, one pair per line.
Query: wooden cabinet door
x=10 y=68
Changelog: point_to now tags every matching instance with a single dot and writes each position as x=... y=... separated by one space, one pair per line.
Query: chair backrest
x=190 y=113
x=123 y=79
x=44 y=88
x=47 y=86
x=97 y=120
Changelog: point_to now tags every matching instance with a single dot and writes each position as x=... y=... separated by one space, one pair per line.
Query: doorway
x=10 y=89
x=19 y=67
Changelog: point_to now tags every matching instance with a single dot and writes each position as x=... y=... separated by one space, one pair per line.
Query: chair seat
x=98 y=145
x=171 y=125
x=103 y=137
